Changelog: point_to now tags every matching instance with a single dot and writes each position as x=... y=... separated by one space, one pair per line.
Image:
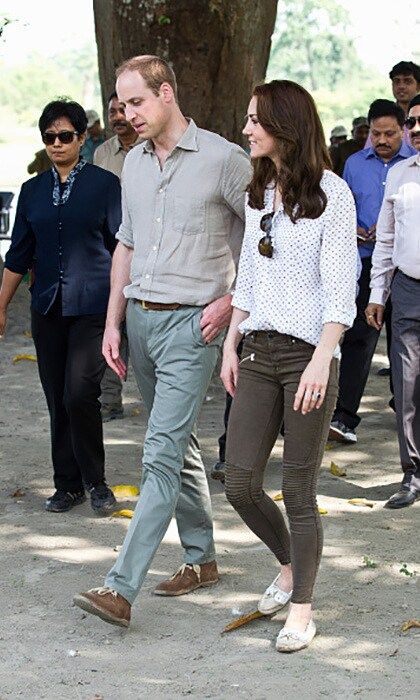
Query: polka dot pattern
x=311 y=278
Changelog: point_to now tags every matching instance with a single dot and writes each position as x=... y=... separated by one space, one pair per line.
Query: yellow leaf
x=361 y=502
x=278 y=497
x=322 y=511
x=17 y=358
x=125 y=490
x=124 y=513
x=409 y=624
x=243 y=620
x=336 y=470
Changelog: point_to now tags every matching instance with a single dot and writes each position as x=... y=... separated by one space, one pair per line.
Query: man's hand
x=375 y=315
x=216 y=316
x=111 y=351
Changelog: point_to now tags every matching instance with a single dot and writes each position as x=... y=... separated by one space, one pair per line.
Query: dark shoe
x=384 y=372
x=107 y=604
x=102 y=499
x=61 y=501
x=339 y=432
x=219 y=472
x=110 y=412
x=406 y=496
x=188 y=578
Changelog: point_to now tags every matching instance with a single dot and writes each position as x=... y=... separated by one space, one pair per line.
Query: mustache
x=383 y=145
x=121 y=123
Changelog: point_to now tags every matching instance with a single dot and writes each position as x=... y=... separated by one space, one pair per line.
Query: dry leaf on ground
x=125 y=490
x=243 y=620
x=278 y=497
x=18 y=358
x=409 y=624
x=322 y=511
x=361 y=502
x=17 y=494
x=27 y=334
x=336 y=470
x=124 y=513
x=135 y=412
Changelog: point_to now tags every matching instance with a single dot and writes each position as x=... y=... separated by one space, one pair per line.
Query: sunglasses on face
x=410 y=122
x=265 y=245
x=49 y=137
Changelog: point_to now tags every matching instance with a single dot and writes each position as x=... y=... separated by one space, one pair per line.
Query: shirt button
x=147 y=276
x=154 y=247
x=384 y=183
x=161 y=190
x=158 y=220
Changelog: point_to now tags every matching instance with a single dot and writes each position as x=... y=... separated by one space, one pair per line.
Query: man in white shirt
x=396 y=271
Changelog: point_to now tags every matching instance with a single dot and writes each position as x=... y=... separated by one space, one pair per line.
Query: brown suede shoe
x=107 y=604
x=188 y=578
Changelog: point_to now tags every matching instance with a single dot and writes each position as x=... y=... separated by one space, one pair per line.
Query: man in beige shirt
x=396 y=271
x=183 y=194
x=111 y=156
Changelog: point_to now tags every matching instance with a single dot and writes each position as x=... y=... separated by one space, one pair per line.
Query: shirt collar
x=416 y=160
x=188 y=140
x=404 y=152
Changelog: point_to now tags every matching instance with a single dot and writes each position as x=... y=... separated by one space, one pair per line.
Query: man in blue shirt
x=365 y=172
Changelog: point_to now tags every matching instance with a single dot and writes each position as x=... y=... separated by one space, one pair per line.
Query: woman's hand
x=229 y=371
x=313 y=383
x=3 y=320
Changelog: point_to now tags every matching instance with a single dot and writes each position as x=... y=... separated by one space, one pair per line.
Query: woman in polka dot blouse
x=295 y=297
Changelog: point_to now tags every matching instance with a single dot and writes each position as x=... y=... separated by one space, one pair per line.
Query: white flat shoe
x=293 y=640
x=273 y=600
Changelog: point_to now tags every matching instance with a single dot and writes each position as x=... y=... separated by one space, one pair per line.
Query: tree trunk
x=219 y=50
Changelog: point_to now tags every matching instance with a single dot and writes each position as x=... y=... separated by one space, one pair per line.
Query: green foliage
x=369 y=563
x=313 y=46
x=27 y=87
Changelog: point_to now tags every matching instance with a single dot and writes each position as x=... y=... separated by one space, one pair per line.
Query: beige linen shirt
x=184 y=221
x=398 y=229
x=111 y=155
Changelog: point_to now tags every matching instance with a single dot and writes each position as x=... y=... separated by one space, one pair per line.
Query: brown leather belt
x=157 y=306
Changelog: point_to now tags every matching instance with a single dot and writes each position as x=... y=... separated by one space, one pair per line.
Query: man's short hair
x=63 y=108
x=406 y=68
x=414 y=102
x=154 y=71
x=386 y=108
x=113 y=96
x=359 y=121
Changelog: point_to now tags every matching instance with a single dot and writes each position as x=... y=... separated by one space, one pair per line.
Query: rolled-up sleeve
x=243 y=294
x=19 y=257
x=236 y=178
x=338 y=263
x=125 y=231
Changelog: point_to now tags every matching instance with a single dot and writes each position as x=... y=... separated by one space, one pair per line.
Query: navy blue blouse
x=69 y=245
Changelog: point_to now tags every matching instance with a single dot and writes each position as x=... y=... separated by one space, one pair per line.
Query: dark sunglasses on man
x=410 y=122
x=49 y=137
x=265 y=245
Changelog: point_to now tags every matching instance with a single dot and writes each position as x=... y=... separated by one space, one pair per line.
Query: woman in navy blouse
x=64 y=232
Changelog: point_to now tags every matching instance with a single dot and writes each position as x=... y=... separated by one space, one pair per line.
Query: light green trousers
x=173 y=368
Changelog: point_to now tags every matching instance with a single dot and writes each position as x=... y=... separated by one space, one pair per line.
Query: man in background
x=338 y=135
x=405 y=78
x=96 y=135
x=366 y=172
x=396 y=271
x=359 y=133
x=111 y=156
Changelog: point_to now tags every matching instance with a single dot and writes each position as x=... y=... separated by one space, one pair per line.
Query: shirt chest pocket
x=189 y=216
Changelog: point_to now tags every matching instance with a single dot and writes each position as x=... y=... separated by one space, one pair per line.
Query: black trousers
x=71 y=367
x=357 y=351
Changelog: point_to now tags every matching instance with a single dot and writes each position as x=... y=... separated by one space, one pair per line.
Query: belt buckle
x=143 y=304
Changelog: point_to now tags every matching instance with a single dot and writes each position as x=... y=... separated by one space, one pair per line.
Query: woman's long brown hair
x=288 y=113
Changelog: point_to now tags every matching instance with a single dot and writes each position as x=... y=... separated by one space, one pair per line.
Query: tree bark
x=219 y=50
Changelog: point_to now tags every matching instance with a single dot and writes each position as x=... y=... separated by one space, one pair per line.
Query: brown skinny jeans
x=264 y=397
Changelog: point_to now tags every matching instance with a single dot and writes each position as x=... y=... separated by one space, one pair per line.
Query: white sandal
x=293 y=640
x=274 y=599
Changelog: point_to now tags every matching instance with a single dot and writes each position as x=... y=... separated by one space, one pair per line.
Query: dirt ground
x=50 y=649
